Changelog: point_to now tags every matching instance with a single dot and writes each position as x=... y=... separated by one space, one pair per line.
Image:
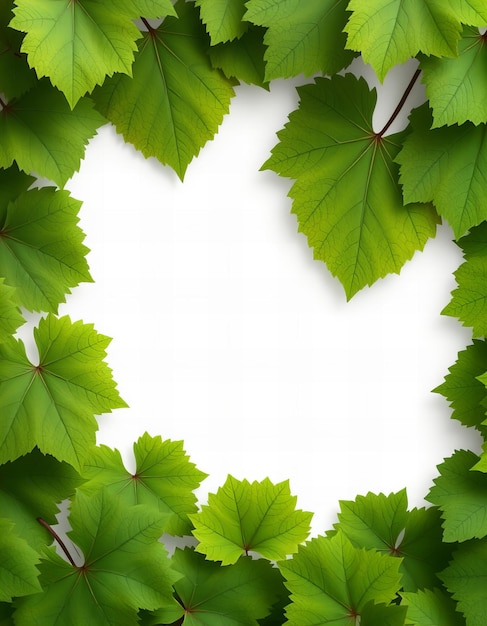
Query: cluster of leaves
x=164 y=74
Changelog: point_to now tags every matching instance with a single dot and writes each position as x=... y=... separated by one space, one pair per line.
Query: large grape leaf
x=124 y=568
x=16 y=77
x=302 y=37
x=446 y=166
x=43 y=135
x=245 y=517
x=456 y=88
x=18 y=571
x=175 y=101
x=223 y=19
x=331 y=581
x=463 y=389
x=383 y=523
x=466 y=580
x=41 y=249
x=52 y=405
x=461 y=495
x=77 y=44
x=389 y=33
x=346 y=195
x=469 y=299
x=432 y=607
x=10 y=316
x=164 y=478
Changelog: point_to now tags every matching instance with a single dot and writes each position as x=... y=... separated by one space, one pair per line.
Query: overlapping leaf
x=18 y=571
x=331 y=581
x=431 y=608
x=446 y=166
x=346 y=195
x=124 y=568
x=175 y=101
x=456 y=88
x=52 y=405
x=223 y=19
x=16 y=77
x=389 y=33
x=473 y=12
x=10 y=316
x=164 y=478
x=302 y=37
x=245 y=517
x=43 y=135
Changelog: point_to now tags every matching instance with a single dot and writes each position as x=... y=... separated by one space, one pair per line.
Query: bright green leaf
x=41 y=249
x=446 y=166
x=18 y=572
x=461 y=495
x=346 y=196
x=247 y=517
x=16 y=77
x=187 y=98
x=431 y=608
x=223 y=19
x=473 y=12
x=389 y=33
x=331 y=581
x=43 y=135
x=10 y=316
x=164 y=478
x=52 y=405
x=466 y=580
x=302 y=37
x=125 y=568
x=456 y=88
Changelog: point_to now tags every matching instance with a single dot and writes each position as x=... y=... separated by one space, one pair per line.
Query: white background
x=228 y=335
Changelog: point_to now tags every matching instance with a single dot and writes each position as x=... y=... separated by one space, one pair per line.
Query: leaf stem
x=401 y=103
x=61 y=543
x=147 y=25
x=3 y=104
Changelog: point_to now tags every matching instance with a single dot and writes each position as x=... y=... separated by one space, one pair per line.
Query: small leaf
x=432 y=607
x=245 y=517
x=223 y=19
x=18 y=572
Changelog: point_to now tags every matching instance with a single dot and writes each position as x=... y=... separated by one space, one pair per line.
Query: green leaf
x=469 y=299
x=187 y=98
x=125 y=568
x=42 y=135
x=235 y=595
x=164 y=478
x=10 y=316
x=52 y=405
x=247 y=517
x=389 y=33
x=462 y=387
x=473 y=12
x=432 y=607
x=302 y=37
x=461 y=494
x=6 y=612
x=77 y=44
x=383 y=614
x=383 y=523
x=18 y=572
x=331 y=581
x=41 y=249
x=32 y=487
x=466 y=580
x=446 y=166
x=346 y=196
x=16 y=77
x=223 y=19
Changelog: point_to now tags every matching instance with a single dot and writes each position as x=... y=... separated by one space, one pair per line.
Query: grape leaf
x=223 y=19
x=187 y=98
x=16 y=77
x=466 y=580
x=52 y=405
x=31 y=487
x=10 y=316
x=235 y=595
x=463 y=389
x=43 y=135
x=18 y=572
x=469 y=299
x=125 y=568
x=41 y=249
x=473 y=12
x=77 y=44
x=389 y=33
x=456 y=88
x=243 y=517
x=446 y=166
x=383 y=523
x=461 y=494
x=302 y=37
x=331 y=581
x=346 y=195
x=431 y=607
x=164 y=478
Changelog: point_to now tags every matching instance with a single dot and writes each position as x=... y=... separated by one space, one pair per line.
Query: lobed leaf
x=223 y=19
x=431 y=607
